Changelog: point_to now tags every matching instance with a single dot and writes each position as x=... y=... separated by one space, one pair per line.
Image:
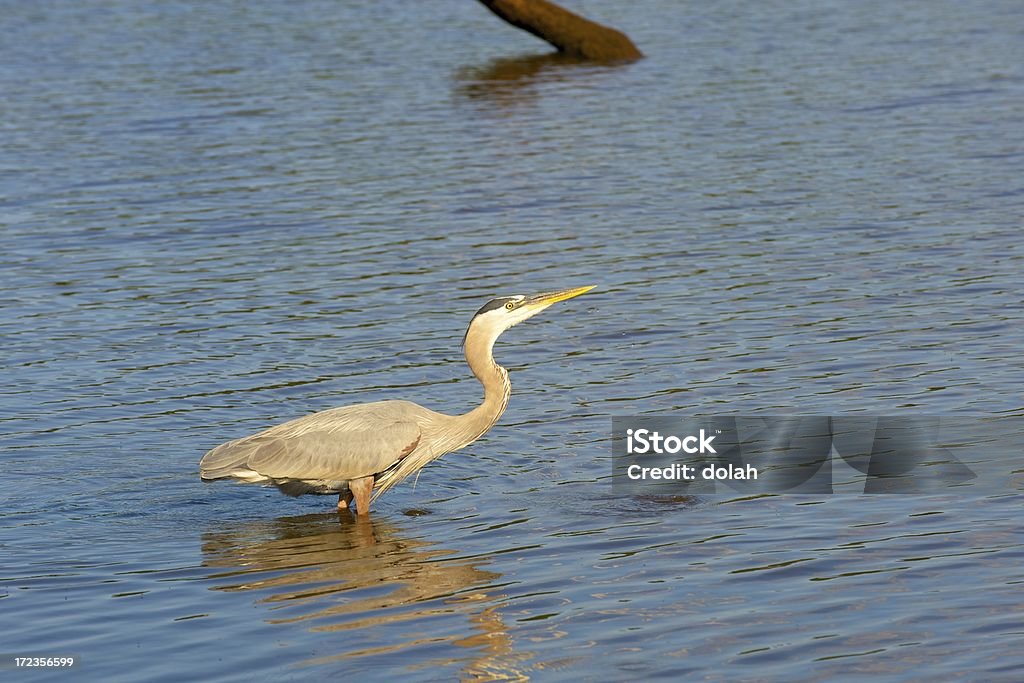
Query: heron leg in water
x=362 y=488
x=345 y=500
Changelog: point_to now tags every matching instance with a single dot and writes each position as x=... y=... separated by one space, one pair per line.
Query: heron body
x=362 y=450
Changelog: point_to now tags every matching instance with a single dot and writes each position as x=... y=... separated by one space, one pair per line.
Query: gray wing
x=339 y=455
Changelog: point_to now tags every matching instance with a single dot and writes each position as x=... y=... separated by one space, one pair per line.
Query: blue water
x=216 y=217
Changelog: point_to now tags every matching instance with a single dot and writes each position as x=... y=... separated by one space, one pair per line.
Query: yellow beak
x=549 y=298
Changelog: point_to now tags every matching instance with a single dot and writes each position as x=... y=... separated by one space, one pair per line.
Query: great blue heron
x=355 y=449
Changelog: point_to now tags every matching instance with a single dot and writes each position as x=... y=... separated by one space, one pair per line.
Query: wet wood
x=569 y=32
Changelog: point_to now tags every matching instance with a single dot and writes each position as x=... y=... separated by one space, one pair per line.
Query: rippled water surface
x=217 y=216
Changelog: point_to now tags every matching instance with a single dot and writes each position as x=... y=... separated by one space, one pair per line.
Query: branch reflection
x=507 y=82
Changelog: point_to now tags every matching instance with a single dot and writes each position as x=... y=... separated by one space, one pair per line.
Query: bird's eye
x=509 y=306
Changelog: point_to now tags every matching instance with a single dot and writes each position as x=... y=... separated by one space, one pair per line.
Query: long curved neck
x=494 y=378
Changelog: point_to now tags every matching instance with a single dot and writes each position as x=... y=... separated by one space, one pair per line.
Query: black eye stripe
x=495 y=303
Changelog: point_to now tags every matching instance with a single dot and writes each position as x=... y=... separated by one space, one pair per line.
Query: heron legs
x=345 y=500
x=361 y=488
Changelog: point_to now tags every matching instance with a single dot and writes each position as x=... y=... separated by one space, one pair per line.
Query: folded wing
x=337 y=455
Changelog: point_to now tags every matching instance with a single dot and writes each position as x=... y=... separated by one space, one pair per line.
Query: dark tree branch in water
x=570 y=33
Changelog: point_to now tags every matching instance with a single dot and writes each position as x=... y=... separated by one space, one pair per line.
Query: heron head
x=497 y=315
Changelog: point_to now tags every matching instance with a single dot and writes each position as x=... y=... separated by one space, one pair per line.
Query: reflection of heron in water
x=352 y=450
x=358 y=576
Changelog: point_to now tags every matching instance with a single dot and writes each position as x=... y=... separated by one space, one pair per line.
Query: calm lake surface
x=218 y=216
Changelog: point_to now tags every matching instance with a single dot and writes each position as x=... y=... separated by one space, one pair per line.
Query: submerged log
x=569 y=32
